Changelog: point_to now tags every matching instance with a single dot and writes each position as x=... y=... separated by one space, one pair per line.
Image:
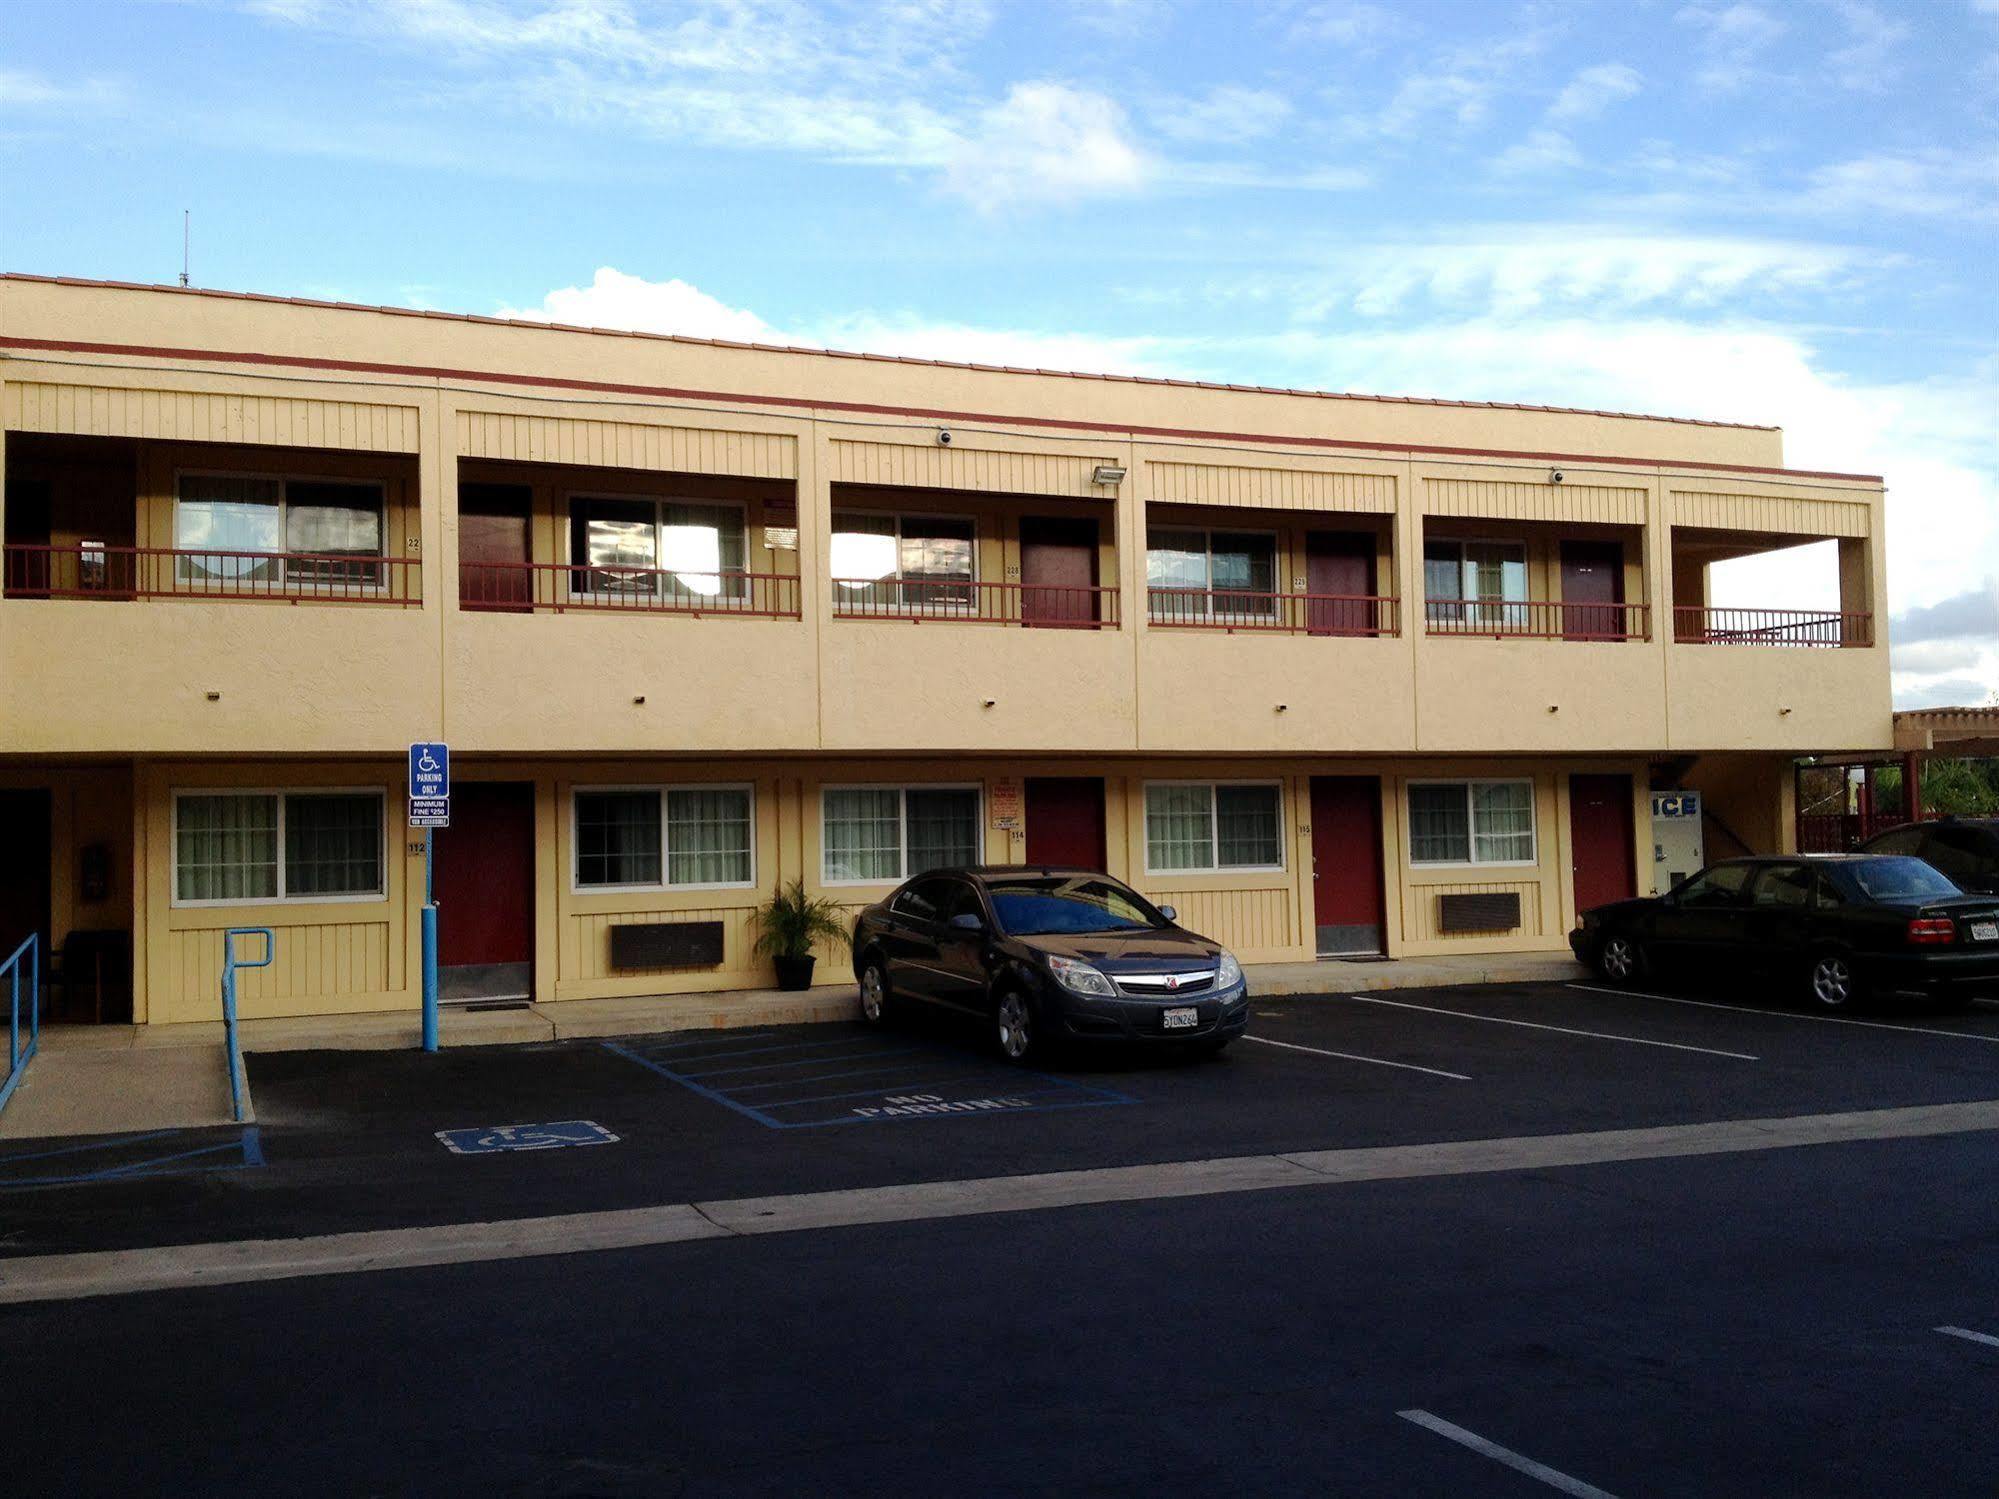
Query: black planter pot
x=794 y=973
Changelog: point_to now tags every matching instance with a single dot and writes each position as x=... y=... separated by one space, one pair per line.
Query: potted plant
x=790 y=924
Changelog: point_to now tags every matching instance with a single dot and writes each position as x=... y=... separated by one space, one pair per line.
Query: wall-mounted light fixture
x=1108 y=473
x=639 y=701
x=215 y=697
x=989 y=702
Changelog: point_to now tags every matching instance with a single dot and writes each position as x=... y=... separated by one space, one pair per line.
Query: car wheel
x=875 y=992
x=1620 y=960
x=1017 y=1039
x=1834 y=983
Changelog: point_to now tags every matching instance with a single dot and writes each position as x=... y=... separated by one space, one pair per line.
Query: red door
x=1058 y=571
x=1346 y=864
x=1592 y=590
x=1600 y=811
x=1339 y=577
x=1065 y=821
x=493 y=539
x=484 y=885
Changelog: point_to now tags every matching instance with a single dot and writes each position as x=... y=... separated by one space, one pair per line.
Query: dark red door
x=484 y=886
x=1058 y=571
x=1347 y=897
x=1600 y=811
x=493 y=540
x=24 y=875
x=1339 y=577
x=1065 y=821
x=1592 y=590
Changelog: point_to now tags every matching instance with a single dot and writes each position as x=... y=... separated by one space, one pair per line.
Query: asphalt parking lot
x=1773 y=1322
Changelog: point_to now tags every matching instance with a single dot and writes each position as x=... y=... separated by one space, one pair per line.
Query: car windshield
x=1078 y=903
x=1899 y=879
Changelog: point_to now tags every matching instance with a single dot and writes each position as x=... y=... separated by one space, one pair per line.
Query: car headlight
x=1228 y=972
x=1080 y=978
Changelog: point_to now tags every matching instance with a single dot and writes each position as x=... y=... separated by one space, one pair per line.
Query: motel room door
x=1065 y=820
x=484 y=884
x=494 y=523
x=1339 y=576
x=1058 y=568
x=24 y=874
x=1600 y=812
x=1347 y=898
x=1592 y=590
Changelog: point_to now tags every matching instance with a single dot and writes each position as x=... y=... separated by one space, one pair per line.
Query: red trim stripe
x=670 y=392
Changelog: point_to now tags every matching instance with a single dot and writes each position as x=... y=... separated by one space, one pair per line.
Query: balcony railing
x=1036 y=605
x=559 y=587
x=90 y=571
x=1535 y=619
x=1694 y=625
x=1282 y=613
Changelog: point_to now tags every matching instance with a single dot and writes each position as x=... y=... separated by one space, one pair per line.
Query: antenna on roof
x=186 y=218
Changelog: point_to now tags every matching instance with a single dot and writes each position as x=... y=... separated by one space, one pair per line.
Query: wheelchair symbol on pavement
x=497 y=1137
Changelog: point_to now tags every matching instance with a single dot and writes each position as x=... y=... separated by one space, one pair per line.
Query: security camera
x=944 y=436
x=1555 y=476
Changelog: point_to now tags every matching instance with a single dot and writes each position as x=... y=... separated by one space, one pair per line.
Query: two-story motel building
x=1330 y=674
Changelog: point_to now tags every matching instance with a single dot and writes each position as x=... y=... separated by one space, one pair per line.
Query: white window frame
x=380 y=793
x=902 y=790
x=899 y=516
x=1471 y=859
x=576 y=885
x=574 y=564
x=1214 y=829
x=284 y=480
x=1207 y=534
x=1466 y=605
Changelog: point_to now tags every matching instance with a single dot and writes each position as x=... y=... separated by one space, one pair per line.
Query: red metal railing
x=1535 y=619
x=89 y=571
x=525 y=587
x=1284 y=613
x=1694 y=625
x=1037 y=605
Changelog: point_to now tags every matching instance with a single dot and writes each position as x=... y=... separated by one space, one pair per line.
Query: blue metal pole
x=14 y=1020
x=429 y=951
x=35 y=992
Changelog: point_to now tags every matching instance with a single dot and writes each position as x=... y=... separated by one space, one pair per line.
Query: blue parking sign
x=430 y=772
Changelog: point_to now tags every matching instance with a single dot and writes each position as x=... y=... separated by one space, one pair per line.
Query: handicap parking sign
x=525 y=1137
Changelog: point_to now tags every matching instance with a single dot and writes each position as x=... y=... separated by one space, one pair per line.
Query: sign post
x=430 y=808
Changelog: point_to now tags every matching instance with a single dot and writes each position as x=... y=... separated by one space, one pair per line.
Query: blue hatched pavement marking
x=249 y=1145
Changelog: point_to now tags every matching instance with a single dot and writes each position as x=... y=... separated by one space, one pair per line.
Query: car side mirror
x=967 y=921
x=1169 y=913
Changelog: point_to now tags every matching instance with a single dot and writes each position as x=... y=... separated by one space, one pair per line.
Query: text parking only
x=430 y=785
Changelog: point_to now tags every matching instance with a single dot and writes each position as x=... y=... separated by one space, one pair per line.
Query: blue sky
x=1770 y=210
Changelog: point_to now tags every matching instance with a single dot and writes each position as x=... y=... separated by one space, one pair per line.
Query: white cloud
x=614 y=299
x=1352 y=24
x=1930 y=183
x=1594 y=90
x=20 y=89
x=1733 y=40
x=1866 y=64
x=1046 y=142
x=1228 y=113
x=1542 y=151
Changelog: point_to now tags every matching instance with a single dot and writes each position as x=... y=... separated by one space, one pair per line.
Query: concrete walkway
x=85 y=1089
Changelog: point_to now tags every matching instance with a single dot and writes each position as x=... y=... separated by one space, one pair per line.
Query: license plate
x=1180 y=1020
x=1984 y=931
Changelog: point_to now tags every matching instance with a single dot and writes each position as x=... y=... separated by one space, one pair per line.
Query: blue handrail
x=230 y=963
x=17 y=1056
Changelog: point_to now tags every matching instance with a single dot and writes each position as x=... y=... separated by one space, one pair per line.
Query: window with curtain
x=1200 y=574
x=1199 y=827
x=887 y=833
x=278 y=845
x=664 y=836
x=683 y=551
x=903 y=563
x=1471 y=822
x=219 y=517
x=1482 y=584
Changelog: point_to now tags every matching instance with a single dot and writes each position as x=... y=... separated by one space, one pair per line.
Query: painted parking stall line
x=1710 y=1004
x=873 y=1080
x=1552 y=1477
x=496 y=1138
x=1348 y=1056
x=1563 y=1030
x=1970 y=1336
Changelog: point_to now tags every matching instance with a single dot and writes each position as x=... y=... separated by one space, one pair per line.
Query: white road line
x=1534 y=1025
x=1708 y=1004
x=1552 y=1478
x=1975 y=1337
x=1347 y=1056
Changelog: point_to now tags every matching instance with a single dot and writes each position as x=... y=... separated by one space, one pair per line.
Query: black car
x=1964 y=850
x=1842 y=928
x=1048 y=956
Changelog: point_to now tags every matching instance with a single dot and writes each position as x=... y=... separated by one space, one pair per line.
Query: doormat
x=480 y=1006
x=1366 y=957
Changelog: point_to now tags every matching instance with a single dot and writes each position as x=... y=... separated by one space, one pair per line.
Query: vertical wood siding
x=905 y=465
x=1792 y=516
x=201 y=416
x=315 y=961
x=638 y=445
x=1270 y=488
x=1246 y=921
x=1495 y=499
